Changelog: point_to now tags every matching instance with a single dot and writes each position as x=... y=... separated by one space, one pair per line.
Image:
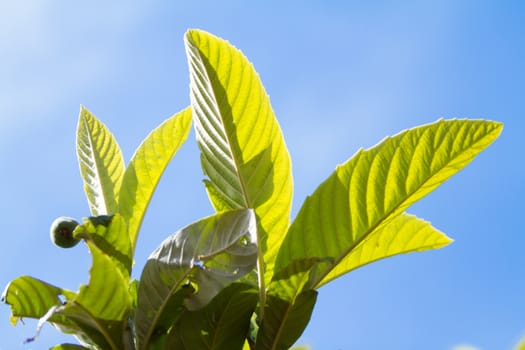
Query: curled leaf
x=191 y=266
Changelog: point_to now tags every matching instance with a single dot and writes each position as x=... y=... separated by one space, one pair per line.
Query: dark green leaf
x=222 y=324
x=191 y=266
x=284 y=321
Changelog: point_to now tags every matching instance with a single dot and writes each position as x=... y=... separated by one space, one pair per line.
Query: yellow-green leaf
x=147 y=166
x=106 y=296
x=243 y=153
x=31 y=297
x=68 y=347
x=99 y=312
x=101 y=164
x=404 y=234
x=374 y=187
x=109 y=234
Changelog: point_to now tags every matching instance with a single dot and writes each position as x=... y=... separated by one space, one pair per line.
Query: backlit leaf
x=101 y=164
x=31 y=297
x=106 y=296
x=68 y=347
x=109 y=234
x=357 y=215
x=404 y=234
x=147 y=166
x=98 y=315
x=375 y=186
x=243 y=153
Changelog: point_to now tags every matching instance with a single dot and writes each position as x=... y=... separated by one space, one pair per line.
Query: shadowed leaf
x=285 y=321
x=190 y=267
x=222 y=324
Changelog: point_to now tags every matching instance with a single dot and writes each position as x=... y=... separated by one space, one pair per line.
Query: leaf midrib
x=95 y=321
x=162 y=306
x=260 y=253
x=226 y=134
x=284 y=320
x=97 y=170
x=322 y=282
x=217 y=332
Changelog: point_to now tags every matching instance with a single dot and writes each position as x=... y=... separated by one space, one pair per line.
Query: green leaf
x=109 y=234
x=65 y=318
x=288 y=282
x=404 y=234
x=98 y=315
x=243 y=153
x=190 y=267
x=101 y=164
x=90 y=331
x=288 y=309
x=375 y=186
x=68 y=347
x=357 y=215
x=285 y=320
x=147 y=166
x=222 y=324
x=31 y=297
x=106 y=296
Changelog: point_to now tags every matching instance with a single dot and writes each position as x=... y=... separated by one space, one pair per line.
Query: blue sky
x=341 y=75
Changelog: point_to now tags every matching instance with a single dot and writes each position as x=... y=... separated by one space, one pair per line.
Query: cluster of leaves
x=245 y=277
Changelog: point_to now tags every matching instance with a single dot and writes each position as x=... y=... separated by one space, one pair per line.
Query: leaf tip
x=499 y=126
x=83 y=109
x=84 y=113
x=446 y=240
x=193 y=34
x=440 y=241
